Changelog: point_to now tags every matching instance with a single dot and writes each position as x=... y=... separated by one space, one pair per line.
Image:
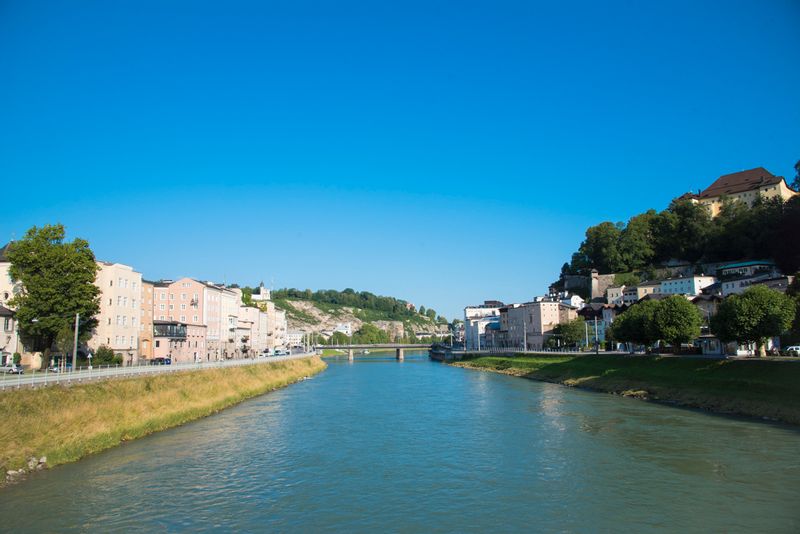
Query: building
x=531 y=324
x=614 y=294
x=632 y=294
x=690 y=285
x=146 y=321
x=344 y=328
x=257 y=324
x=120 y=311
x=179 y=342
x=747 y=268
x=744 y=186
x=262 y=295
x=476 y=319
x=9 y=336
x=294 y=338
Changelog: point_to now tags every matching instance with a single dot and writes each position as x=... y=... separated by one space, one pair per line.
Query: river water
x=416 y=446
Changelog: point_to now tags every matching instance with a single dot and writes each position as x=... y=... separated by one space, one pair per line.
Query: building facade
x=146 y=321
x=745 y=186
x=120 y=311
x=690 y=285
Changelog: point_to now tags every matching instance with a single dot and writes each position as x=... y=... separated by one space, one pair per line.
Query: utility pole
x=596 y=339
x=75 y=343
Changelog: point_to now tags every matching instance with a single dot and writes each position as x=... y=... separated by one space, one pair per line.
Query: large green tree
x=601 y=247
x=752 y=317
x=57 y=279
x=572 y=332
x=676 y=320
x=635 y=325
x=636 y=244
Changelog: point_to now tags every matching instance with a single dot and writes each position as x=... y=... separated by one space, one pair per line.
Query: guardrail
x=47 y=377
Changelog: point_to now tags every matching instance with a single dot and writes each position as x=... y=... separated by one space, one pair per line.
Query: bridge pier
x=350 y=354
x=400 y=355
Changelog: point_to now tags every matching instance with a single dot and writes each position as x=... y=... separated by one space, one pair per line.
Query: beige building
x=120 y=311
x=532 y=323
x=743 y=186
x=179 y=342
x=632 y=294
x=257 y=324
x=146 y=321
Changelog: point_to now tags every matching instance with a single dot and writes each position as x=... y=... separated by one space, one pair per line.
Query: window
x=172 y=296
x=183 y=306
x=163 y=296
x=132 y=342
x=119 y=320
x=109 y=320
x=158 y=343
x=119 y=301
x=183 y=296
x=125 y=301
x=183 y=318
x=7 y=324
x=124 y=320
x=194 y=318
x=119 y=282
x=171 y=306
x=161 y=307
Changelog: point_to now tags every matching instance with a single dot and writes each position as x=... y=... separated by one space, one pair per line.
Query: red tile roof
x=739 y=182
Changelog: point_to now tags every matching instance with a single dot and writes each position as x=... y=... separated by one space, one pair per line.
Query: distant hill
x=321 y=311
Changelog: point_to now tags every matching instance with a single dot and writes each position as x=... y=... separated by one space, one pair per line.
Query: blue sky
x=441 y=152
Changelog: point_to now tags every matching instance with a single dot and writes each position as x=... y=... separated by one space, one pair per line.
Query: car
x=794 y=350
x=281 y=352
x=12 y=369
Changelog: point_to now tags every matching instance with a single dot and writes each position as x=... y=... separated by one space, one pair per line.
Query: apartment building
x=179 y=342
x=146 y=321
x=120 y=311
x=477 y=319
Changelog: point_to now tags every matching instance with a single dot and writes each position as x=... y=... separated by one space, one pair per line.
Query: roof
x=687 y=196
x=5 y=312
x=3 y=251
x=739 y=182
x=746 y=264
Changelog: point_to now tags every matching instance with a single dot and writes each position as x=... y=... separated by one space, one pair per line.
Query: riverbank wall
x=52 y=425
x=765 y=389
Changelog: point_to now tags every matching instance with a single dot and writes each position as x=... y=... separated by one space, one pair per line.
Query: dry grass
x=67 y=423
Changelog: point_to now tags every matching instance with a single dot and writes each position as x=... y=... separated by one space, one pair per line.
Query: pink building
x=179 y=342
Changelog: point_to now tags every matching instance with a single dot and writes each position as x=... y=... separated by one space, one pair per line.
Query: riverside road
x=45 y=378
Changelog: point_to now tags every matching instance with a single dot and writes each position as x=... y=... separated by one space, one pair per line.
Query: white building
x=344 y=328
x=476 y=320
x=294 y=337
x=120 y=311
x=690 y=285
x=262 y=294
x=614 y=295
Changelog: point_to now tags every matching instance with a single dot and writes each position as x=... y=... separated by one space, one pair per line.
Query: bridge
x=399 y=348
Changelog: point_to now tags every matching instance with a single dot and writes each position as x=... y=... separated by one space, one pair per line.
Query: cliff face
x=309 y=315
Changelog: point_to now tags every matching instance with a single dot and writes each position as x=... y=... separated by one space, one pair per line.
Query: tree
x=430 y=314
x=796 y=182
x=339 y=338
x=371 y=334
x=752 y=317
x=601 y=247
x=636 y=245
x=572 y=332
x=422 y=310
x=105 y=356
x=636 y=324
x=676 y=321
x=57 y=279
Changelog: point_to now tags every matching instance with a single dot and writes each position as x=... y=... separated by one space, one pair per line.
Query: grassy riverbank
x=758 y=388
x=65 y=424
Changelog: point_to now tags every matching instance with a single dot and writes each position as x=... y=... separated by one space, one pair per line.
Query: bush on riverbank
x=67 y=423
x=759 y=388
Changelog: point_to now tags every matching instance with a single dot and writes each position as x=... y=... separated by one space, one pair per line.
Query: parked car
x=794 y=350
x=281 y=352
x=12 y=369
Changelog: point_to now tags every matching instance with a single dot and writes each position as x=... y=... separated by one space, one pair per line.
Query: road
x=44 y=378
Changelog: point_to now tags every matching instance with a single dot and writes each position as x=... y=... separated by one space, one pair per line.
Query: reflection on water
x=417 y=446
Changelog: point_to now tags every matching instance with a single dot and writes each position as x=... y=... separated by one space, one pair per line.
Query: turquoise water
x=416 y=446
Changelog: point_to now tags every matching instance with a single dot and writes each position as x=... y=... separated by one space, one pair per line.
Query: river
x=416 y=446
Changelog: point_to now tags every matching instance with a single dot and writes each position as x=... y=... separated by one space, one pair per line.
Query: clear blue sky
x=441 y=152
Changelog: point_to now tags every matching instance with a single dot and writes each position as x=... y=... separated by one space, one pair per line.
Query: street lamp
x=75 y=340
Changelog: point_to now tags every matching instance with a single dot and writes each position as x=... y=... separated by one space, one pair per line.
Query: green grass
x=67 y=423
x=759 y=388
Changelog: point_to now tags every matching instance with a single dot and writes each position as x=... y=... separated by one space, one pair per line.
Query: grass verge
x=65 y=424
x=757 y=388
